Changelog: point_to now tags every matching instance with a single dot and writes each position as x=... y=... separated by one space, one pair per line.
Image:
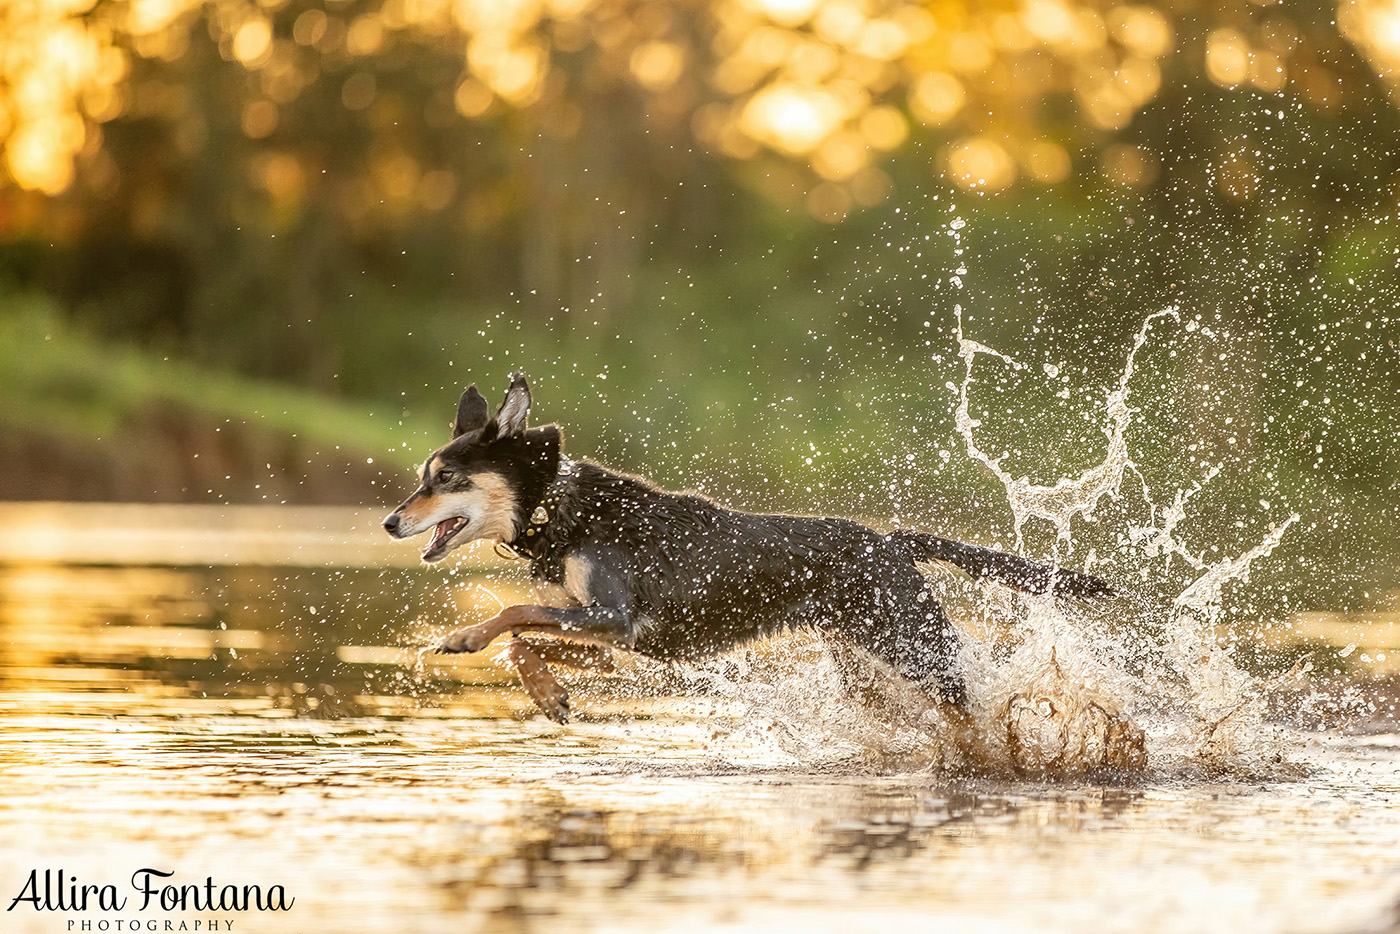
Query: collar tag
x=506 y=550
x=543 y=513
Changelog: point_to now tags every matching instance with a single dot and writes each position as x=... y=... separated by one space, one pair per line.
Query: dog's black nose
x=391 y=523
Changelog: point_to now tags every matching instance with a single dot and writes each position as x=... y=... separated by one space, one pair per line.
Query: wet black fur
x=699 y=578
x=676 y=575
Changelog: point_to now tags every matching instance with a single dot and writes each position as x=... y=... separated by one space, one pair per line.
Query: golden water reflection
x=277 y=725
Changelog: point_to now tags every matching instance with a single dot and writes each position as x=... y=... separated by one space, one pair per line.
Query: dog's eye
x=444 y=476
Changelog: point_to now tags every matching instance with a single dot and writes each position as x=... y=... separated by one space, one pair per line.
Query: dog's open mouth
x=443 y=533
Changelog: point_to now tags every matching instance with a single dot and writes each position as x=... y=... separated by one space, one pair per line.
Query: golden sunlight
x=832 y=85
x=792 y=118
x=1227 y=57
x=981 y=162
x=1374 y=25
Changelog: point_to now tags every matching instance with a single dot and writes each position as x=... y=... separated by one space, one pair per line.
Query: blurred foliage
x=226 y=175
x=730 y=240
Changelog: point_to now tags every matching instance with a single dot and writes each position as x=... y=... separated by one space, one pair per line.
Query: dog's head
x=483 y=482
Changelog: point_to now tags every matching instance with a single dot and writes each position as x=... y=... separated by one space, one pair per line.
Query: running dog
x=628 y=565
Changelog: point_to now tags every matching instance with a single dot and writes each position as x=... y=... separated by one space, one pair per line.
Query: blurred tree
x=224 y=175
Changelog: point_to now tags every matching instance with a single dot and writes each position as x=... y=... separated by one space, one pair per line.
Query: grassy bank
x=85 y=418
x=56 y=377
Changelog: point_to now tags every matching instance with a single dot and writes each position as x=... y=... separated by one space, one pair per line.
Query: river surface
x=277 y=724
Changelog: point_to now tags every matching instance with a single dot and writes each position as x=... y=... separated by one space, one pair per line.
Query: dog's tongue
x=442 y=532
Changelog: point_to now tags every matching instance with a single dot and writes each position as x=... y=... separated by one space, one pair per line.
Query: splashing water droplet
x=1063 y=697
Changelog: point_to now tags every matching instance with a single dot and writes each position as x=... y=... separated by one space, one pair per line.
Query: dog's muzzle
x=391 y=524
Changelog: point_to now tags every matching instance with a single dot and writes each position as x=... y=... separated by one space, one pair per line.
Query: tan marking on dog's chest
x=574 y=590
x=578 y=572
x=549 y=594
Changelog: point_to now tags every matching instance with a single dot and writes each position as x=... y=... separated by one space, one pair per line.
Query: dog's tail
x=1012 y=570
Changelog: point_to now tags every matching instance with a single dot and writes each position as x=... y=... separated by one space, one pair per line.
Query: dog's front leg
x=595 y=576
x=477 y=637
x=601 y=625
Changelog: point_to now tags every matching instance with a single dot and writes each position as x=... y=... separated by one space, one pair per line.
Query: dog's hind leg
x=930 y=645
x=923 y=646
x=907 y=628
x=538 y=681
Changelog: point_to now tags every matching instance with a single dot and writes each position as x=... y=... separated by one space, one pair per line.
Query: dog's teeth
x=443 y=531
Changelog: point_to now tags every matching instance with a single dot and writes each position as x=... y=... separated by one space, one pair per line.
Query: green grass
x=56 y=378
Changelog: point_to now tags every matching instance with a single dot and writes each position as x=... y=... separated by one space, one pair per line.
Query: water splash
x=1054 y=691
x=805 y=702
x=1060 y=502
x=1226 y=703
x=1074 y=706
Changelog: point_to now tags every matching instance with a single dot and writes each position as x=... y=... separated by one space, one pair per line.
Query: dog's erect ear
x=515 y=411
x=472 y=413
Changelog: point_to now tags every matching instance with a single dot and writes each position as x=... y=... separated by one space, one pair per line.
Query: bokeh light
x=833 y=87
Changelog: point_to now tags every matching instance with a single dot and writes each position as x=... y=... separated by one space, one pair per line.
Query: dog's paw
x=555 y=708
x=470 y=639
x=539 y=682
